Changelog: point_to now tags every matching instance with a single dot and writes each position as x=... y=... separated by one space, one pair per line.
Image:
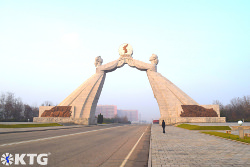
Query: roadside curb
x=150 y=149
x=21 y=131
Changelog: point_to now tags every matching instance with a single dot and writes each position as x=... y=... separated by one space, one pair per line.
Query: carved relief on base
x=197 y=111
x=58 y=111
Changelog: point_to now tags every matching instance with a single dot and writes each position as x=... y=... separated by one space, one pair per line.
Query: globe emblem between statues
x=125 y=50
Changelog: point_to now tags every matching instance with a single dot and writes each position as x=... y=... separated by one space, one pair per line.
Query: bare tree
x=2 y=101
x=239 y=108
x=218 y=103
x=13 y=109
x=8 y=106
x=124 y=119
x=18 y=109
x=47 y=103
x=28 y=113
x=35 y=111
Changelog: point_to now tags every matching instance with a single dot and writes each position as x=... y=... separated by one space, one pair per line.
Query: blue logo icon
x=7 y=159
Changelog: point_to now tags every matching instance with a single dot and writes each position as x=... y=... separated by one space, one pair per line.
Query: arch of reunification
x=175 y=106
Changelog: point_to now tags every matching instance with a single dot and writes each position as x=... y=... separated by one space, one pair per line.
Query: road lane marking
x=48 y=138
x=131 y=151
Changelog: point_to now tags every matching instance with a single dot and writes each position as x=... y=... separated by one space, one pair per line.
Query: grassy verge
x=229 y=136
x=196 y=127
x=28 y=125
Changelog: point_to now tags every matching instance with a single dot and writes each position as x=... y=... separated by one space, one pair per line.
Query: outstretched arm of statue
x=111 y=66
x=140 y=65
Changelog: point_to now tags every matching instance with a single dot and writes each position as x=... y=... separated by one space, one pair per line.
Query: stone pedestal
x=174 y=120
x=80 y=121
x=241 y=132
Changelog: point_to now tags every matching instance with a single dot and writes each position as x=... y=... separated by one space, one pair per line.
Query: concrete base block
x=80 y=121
x=174 y=120
x=247 y=134
x=43 y=108
x=241 y=132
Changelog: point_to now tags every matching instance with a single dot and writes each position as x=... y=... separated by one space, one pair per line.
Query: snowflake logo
x=7 y=159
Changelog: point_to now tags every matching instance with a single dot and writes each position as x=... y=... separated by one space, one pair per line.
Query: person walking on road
x=163 y=126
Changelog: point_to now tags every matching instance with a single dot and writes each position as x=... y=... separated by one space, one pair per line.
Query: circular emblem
x=7 y=159
x=125 y=50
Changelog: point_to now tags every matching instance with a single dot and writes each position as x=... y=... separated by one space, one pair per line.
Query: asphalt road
x=92 y=146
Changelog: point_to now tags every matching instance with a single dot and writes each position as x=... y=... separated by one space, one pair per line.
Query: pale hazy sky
x=47 y=48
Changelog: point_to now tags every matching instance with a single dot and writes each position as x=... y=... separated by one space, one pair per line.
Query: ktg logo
x=8 y=159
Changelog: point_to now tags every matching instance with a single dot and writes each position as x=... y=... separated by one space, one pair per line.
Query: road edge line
x=131 y=151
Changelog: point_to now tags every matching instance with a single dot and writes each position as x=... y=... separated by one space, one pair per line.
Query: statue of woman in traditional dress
x=84 y=99
x=169 y=96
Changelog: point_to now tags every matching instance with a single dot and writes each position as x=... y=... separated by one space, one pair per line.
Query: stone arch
x=170 y=98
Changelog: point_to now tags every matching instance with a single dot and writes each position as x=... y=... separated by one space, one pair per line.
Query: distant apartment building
x=132 y=115
x=109 y=111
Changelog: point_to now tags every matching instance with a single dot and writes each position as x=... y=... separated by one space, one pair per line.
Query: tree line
x=237 y=109
x=13 y=109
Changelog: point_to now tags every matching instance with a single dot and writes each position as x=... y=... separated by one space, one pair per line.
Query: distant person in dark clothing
x=163 y=126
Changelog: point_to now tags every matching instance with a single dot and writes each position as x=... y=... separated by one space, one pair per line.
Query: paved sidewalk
x=181 y=147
